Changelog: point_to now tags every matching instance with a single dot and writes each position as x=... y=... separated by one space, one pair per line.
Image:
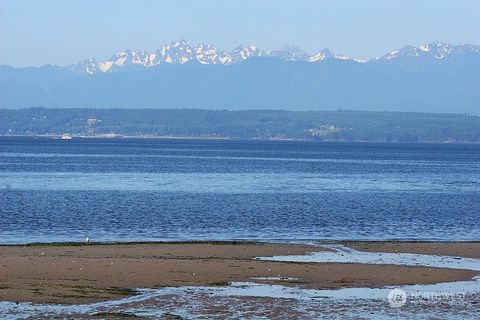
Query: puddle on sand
x=343 y=254
x=279 y=278
x=245 y=299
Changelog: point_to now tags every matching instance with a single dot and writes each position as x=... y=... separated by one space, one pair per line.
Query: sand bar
x=95 y=272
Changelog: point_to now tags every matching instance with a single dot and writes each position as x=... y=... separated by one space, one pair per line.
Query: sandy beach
x=72 y=274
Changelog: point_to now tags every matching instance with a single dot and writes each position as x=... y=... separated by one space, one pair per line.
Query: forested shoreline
x=342 y=125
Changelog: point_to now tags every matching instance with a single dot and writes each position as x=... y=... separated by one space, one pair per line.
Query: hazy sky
x=58 y=31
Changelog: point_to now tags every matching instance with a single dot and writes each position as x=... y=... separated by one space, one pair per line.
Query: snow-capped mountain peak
x=322 y=55
x=89 y=66
x=208 y=54
x=181 y=52
x=242 y=53
x=435 y=50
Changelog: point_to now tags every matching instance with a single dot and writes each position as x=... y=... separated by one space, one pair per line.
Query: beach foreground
x=86 y=273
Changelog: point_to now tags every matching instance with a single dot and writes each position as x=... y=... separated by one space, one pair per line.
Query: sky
x=34 y=33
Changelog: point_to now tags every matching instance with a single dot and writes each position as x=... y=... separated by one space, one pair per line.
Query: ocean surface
x=179 y=189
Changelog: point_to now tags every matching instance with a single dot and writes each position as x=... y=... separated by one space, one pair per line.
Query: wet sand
x=459 y=249
x=97 y=272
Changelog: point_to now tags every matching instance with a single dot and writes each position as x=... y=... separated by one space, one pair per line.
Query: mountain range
x=180 y=52
x=435 y=77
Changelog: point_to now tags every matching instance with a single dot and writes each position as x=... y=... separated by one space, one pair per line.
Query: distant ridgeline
x=435 y=77
x=251 y=124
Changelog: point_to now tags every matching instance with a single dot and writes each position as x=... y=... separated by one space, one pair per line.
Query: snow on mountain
x=208 y=54
x=322 y=55
x=177 y=52
x=180 y=52
x=290 y=54
x=434 y=50
x=89 y=66
x=129 y=57
x=242 y=53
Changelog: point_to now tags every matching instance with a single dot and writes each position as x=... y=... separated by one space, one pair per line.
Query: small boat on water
x=66 y=137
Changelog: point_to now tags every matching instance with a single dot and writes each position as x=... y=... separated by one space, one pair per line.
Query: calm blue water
x=159 y=189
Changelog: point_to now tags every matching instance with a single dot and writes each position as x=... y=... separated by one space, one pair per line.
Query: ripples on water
x=153 y=189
